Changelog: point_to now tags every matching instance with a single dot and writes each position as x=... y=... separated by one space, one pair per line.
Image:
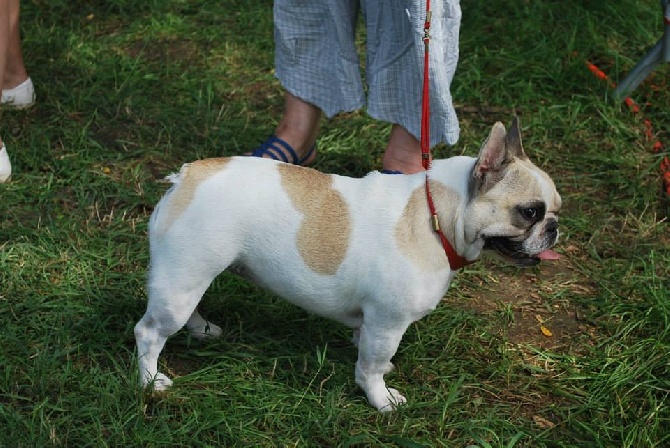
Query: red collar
x=456 y=261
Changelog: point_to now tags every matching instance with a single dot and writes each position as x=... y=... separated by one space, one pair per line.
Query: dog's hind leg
x=150 y=341
x=167 y=312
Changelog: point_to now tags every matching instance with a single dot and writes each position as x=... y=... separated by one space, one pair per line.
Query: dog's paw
x=201 y=332
x=158 y=383
x=389 y=401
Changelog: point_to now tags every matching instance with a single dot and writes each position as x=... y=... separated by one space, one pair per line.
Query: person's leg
x=403 y=152
x=14 y=70
x=394 y=67
x=5 y=8
x=317 y=64
x=5 y=30
x=299 y=125
x=17 y=88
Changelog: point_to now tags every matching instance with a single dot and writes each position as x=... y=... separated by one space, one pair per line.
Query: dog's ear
x=500 y=148
x=513 y=140
x=492 y=155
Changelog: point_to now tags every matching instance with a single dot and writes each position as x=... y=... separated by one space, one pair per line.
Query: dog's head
x=513 y=205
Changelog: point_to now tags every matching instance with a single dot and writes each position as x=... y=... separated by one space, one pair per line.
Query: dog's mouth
x=513 y=251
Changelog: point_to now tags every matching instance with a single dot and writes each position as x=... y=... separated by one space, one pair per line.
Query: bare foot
x=403 y=152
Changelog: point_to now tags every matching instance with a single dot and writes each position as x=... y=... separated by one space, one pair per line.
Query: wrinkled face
x=517 y=217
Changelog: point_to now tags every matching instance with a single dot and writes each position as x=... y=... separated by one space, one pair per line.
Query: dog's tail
x=161 y=217
x=175 y=178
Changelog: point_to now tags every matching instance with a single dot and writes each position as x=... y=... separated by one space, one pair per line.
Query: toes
x=159 y=383
x=391 y=401
x=162 y=382
x=396 y=398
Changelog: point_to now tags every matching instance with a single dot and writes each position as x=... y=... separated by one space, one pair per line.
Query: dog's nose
x=552 y=226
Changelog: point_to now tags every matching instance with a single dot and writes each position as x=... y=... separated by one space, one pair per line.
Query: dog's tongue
x=548 y=255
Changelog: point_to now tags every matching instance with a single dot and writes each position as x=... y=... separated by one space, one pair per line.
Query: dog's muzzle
x=514 y=251
x=511 y=250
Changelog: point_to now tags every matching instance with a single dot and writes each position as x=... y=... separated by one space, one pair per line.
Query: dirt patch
x=533 y=309
x=536 y=313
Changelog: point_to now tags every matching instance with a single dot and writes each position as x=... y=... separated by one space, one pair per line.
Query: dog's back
x=245 y=214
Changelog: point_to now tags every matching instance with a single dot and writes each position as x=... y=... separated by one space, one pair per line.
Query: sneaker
x=21 y=96
x=5 y=165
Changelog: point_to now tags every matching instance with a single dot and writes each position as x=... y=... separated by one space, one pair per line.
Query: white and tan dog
x=360 y=251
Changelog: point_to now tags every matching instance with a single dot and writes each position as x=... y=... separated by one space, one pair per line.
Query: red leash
x=425 y=104
x=456 y=261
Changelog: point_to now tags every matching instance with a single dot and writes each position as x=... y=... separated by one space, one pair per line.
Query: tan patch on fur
x=189 y=178
x=414 y=232
x=325 y=230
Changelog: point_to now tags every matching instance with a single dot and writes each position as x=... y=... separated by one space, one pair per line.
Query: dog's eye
x=530 y=213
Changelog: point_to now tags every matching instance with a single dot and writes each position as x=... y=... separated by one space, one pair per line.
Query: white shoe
x=5 y=165
x=21 y=96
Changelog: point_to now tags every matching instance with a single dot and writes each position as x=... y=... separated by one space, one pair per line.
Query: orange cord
x=656 y=145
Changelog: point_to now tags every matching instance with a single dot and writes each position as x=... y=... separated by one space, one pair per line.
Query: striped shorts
x=317 y=61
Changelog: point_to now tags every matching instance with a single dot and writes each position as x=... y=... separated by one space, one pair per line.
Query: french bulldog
x=361 y=251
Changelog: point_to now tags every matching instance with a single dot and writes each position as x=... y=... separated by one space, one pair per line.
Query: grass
x=127 y=91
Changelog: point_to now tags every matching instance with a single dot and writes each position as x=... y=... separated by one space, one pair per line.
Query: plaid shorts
x=316 y=59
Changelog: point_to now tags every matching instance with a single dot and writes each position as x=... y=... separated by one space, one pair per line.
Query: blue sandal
x=278 y=149
x=391 y=172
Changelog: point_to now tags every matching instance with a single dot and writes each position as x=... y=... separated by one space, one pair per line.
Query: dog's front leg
x=378 y=342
